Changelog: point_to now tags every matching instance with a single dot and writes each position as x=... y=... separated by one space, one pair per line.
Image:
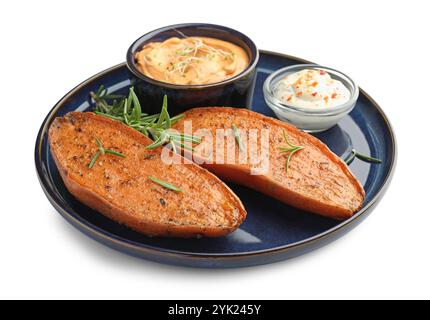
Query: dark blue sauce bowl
x=236 y=91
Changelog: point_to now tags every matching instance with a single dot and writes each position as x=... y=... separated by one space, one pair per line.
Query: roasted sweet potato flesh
x=120 y=188
x=317 y=180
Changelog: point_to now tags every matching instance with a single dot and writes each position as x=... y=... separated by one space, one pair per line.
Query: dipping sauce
x=191 y=61
x=311 y=88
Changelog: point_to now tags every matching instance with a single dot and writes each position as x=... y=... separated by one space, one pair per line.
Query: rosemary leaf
x=182 y=137
x=150 y=118
x=162 y=116
x=137 y=108
x=109 y=115
x=287 y=162
x=184 y=146
x=144 y=131
x=355 y=154
x=287 y=141
x=101 y=149
x=293 y=151
x=285 y=149
x=350 y=158
x=177 y=118
x=94 y=159
x=237 y=137
x=109 y=151
x=166 y=113
x=125 y=112
x=100 y=90
x=367 y=158
x=165 y=184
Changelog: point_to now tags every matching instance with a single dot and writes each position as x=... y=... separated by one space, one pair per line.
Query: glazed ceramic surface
x=272 y=231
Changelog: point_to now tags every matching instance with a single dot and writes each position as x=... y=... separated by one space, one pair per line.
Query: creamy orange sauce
x=191 y=61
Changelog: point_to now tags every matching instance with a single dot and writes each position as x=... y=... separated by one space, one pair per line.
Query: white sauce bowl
x=309 y=119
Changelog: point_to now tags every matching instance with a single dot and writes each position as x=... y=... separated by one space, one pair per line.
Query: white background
x=48 y=47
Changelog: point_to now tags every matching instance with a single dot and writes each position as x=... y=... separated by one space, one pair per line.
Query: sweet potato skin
x=317 y=181
x=119 y=188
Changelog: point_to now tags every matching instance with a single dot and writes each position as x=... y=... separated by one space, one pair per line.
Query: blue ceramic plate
x=272 y=231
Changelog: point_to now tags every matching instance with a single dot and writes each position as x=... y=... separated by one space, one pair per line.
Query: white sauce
x=311 y=88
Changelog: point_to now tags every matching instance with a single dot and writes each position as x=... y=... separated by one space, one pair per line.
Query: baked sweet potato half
x=316 y=180
x=119 y=184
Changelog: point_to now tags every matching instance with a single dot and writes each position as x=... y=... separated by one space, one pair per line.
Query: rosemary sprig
x=291 y=150
x=101 y=99
x=102 y=151
x=165 y=184
x=237 y=137
x=129 y=111
x=355 y=154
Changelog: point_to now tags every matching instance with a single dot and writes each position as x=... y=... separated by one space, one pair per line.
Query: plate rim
x=142 y=248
